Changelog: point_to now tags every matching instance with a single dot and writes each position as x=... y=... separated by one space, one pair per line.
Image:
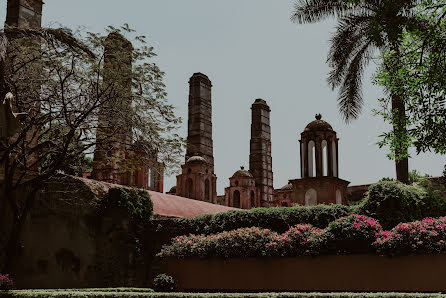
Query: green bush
x=393 y=202
x=164 y=283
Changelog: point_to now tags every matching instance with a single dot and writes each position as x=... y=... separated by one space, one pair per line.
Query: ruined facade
x=117 y=158
x=24 y=13
x=197 y=179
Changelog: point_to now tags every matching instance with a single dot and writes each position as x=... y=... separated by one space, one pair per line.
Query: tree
x=364 y=26
x=56 y=80
x=420 y=77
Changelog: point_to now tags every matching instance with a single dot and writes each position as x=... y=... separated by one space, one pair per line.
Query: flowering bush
x=422 y=236
x=245 y=242
x=299 y=240
x=6 y=283
x=353 y=233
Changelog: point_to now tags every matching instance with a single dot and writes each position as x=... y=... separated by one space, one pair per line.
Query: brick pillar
x=24 y=13
x=199 y=137
x=113 y=135
x=260 y=161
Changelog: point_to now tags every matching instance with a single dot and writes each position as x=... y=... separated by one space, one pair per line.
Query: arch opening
x=338 y=197
x=311 y=197
x=236 y=199
x=324 y=158
x=311 y=159
x=189 y=188
x=252 y=199
x=207 y=194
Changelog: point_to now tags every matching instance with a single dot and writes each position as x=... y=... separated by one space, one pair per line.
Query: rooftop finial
x=242 y=168
x=318 y=116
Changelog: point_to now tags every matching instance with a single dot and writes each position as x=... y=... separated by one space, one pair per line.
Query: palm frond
x=311 y=11
x=350 y=36
x=350 y=95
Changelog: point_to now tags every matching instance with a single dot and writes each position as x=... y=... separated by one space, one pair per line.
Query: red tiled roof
x=175 y=206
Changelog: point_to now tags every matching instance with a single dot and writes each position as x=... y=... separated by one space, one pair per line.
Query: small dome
x=289 y=186
x=242 y=173
x=173 y=189
x=318 y=124
x=196 y=159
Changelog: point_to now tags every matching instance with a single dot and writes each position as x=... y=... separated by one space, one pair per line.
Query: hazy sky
x=249 y=49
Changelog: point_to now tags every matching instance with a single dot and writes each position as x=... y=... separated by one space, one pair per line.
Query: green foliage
x=85 y=293
x=164 y=283
x=415 y=176
x=276 y=219
x=419 y=79
x=392 y=202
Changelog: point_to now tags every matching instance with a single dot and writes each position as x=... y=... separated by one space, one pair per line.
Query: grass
x=141 y=292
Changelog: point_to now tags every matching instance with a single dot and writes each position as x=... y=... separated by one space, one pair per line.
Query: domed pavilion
x=320 y=182
x=242 y=191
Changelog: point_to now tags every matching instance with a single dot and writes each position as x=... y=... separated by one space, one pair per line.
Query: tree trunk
x=399 y=125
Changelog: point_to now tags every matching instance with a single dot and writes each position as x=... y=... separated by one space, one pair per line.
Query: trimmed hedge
x=92 y=294
x=278 y=219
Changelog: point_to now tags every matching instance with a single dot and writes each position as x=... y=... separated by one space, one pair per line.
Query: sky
x=249 y=49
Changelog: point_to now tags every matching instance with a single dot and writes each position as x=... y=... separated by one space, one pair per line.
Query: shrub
x=393 y=202
x=425 y=236
x=300 y=240
x=164 y=283
x=6 y=283
x=351 y=234
x=245 y=242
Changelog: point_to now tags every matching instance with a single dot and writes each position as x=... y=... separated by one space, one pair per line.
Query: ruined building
x=24 y=13
x=117 y=158
x=197 y=179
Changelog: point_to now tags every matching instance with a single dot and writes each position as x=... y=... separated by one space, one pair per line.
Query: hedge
x=93 y=294
x=389 y=202
x=86 y=293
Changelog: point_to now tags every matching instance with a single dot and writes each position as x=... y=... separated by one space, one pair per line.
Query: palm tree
x=364 y=27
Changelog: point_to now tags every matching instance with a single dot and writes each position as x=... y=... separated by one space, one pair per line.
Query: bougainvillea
x=421 y=236
x=245 y=242
x=6 y=283
x=351 y=234
x=299 y=240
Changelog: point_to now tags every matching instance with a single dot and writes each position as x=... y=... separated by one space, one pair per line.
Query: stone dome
x=196 y=159
x=289 y=186
x=173 y=189
x=242 y=173
x=318 y=125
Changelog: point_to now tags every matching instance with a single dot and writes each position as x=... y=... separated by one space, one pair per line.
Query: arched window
x=335 y=162
x=252 y=199
x=324 y=158
x=189 y=188
x=207 y=194
x=310 y=197
x=236 y=182
x=236 y=199
x=311 y=159
x=189 y=171
x=338 y=197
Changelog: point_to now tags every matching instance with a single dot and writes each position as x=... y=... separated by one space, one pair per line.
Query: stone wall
x=69 y=240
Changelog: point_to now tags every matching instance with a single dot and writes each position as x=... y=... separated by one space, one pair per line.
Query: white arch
x=311 y=159
x=338 y=197
x=324 y=158
x=311 y=197
x=335 y=162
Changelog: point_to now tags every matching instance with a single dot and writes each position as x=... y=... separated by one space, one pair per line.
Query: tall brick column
x=24 y=13
x=199 y=137
x=113 y=135
x=260 y=161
